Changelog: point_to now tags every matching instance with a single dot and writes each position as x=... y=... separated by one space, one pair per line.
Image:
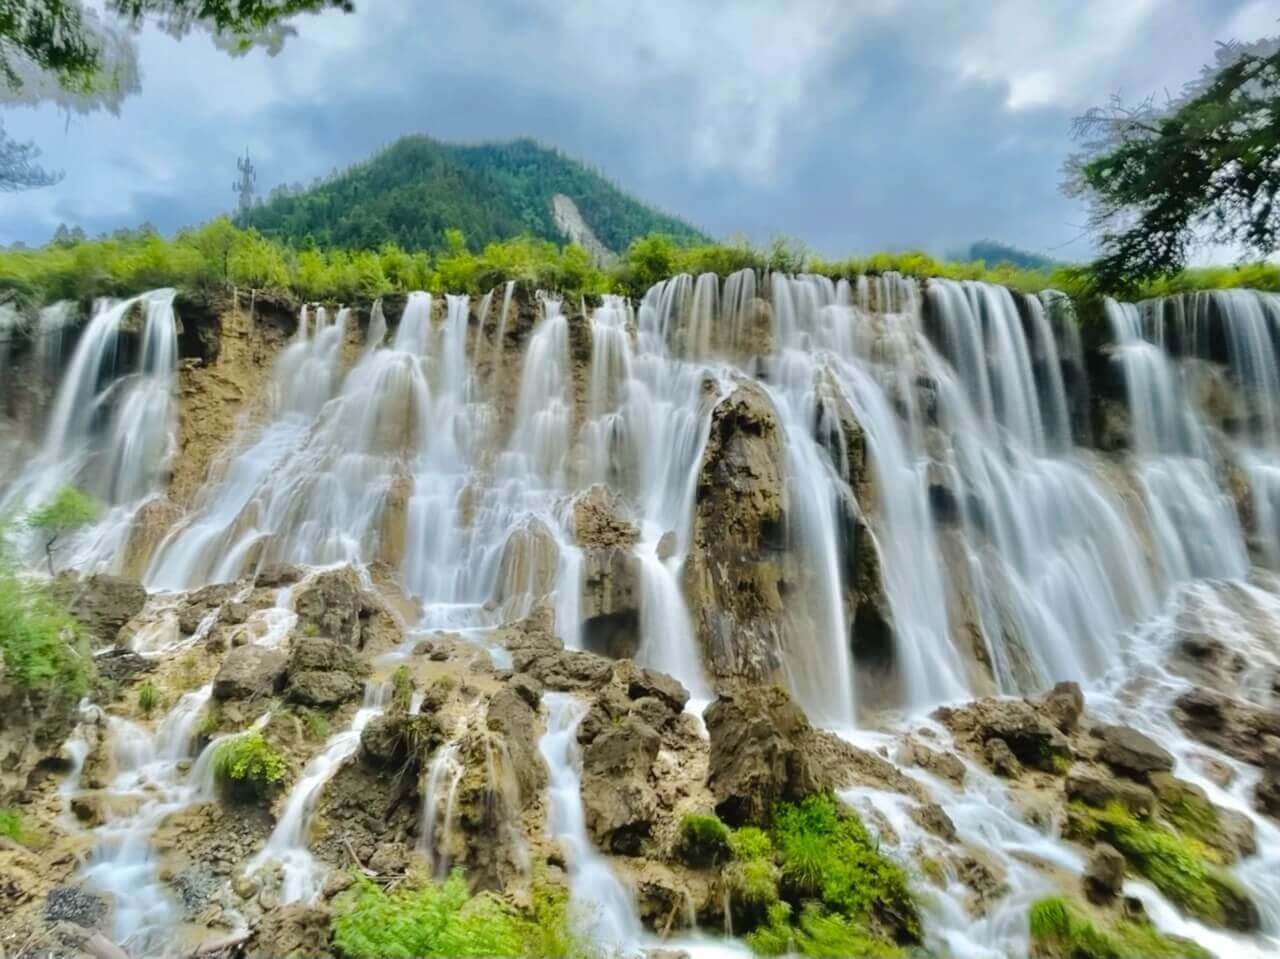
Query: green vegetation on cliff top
x=416 y=190
x=220 y=254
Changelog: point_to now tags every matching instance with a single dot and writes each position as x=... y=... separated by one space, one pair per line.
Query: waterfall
x=111 y=428
x=444 y=775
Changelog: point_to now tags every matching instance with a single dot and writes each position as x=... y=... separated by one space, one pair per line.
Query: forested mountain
x=417 y=188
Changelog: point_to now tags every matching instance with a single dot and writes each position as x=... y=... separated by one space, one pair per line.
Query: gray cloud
x=852 y=126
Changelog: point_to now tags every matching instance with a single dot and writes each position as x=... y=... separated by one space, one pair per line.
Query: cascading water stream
x=302 y=877
x=149 y=772
x=600 y=898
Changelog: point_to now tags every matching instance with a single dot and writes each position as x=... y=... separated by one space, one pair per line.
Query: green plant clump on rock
x=704 y=840
x=1059 y=930
x=247 y=766
x=818 y=885
x=1180 y=867
x=426 y=918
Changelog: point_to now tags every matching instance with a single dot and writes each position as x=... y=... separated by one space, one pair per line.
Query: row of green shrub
x=426 y=918
x=220 y=254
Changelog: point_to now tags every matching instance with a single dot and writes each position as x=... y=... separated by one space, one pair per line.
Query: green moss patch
x=1179 y=866
x=817 y=884
x=1061 y=930
x=425 y=918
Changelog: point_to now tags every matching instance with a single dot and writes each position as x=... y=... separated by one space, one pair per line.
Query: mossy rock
x=1181 y=867
x=1061 y=929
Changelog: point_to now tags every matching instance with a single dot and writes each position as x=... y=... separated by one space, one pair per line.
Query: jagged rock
x=335 y=604
x=1098 y=790
x=293 y=930
x=598 y=521
x=388 y=859
x=527 y=689
x=944 y=764
x=1104 y=874
x=1064 y=704
x=317 y=653
x=89 y=808
x=538 y=652
x=277 y=575
x=150 y=524
x=120 y=665
x=734 y=574
x=641 y=682
x=757 y=753
x=325 y=690
x=198 y=605
x=933 y=817
x=653 y=712
x=1131 y=752
x=1035 y=741
x=1000 y=758
x=617 y=798
x=1236 y=728
x=511 y=713
x=1266 y=796
x=249 y=671
x=388 y=739
x=102 y=603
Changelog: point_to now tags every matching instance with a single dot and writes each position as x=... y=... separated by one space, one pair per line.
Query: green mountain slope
x=417 y=188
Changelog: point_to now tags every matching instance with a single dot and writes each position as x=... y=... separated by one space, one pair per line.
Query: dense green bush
x=426 y=918
x=41 y=646
x=816 y=884
x=1060 y=930
x=247 y=766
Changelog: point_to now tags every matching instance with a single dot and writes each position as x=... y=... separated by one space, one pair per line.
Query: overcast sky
x=854 y=125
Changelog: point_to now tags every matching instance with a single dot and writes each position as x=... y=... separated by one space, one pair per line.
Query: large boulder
x=334 y=604
x=1019 y=724
x=735 y=573
x=617 y=798
x=513 y=712
x=610 y=574
x=1131 y=752
x=248 y=672
x=102 y=603
x=199 y=604
x=1104 y=874
x=1236 y=728
x=321 y=654
x=758 y=753
x=322 y=688
x=536 y=651
x=1099 y=789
